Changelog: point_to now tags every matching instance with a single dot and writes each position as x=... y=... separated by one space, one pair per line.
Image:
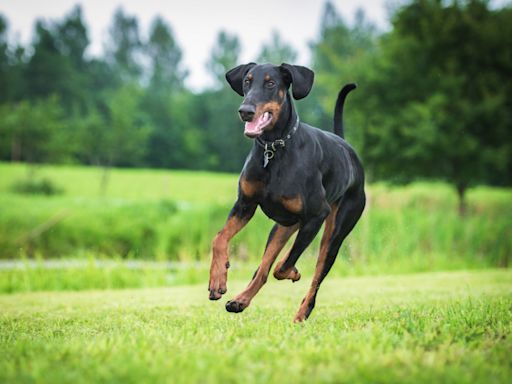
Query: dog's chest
x=282 y=200
x=286 y=211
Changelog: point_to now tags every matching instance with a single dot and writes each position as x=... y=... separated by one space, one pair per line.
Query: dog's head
x=265 y=90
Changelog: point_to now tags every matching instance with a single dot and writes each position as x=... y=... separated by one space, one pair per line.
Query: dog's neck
x=285 y=122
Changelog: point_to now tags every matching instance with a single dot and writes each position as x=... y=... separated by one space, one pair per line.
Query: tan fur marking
x=220 y=257
x=250 y=188
x=292 y=204
x=275 y=246
x=281 y=94
x=330 y=224
x=272 y=106
x=267 y=77
x=249 y=76
x=291 y=274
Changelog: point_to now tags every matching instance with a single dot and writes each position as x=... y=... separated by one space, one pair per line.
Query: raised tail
x=338 y=109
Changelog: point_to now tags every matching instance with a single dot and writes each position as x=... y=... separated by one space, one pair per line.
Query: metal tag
x=268 y=154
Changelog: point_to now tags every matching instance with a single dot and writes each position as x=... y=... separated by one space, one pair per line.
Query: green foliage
x=36 y=186
x=434 y=100
x=165 y=56
x=276 y=51
x=224 y=56
x=35 y=132
x=448 y=327
x=124 y=47
x=156 y=215
x=120 y=229
x=339 y=57
x=57 y=65
x=4 y=67
x=226 y=147
x=438 y=99
x=127 y=129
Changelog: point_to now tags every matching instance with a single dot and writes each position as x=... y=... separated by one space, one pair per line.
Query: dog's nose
x=247 y=112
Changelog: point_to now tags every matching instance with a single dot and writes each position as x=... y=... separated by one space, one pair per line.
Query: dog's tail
x=338 y=109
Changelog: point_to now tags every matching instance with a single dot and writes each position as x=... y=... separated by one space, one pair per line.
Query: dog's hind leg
x=286 y=269
x=338 y=225
x=292 y=273
x=276 y=241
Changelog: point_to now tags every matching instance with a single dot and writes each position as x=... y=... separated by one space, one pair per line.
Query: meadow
x=422 y=328
x=173 y=215
x=111 y=286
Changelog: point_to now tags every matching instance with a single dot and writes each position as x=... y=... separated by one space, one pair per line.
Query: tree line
x=434 y=98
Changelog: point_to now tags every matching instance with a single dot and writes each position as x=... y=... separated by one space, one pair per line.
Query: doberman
x=300 y=176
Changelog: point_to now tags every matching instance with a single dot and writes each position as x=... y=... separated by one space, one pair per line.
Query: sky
x=196 y=23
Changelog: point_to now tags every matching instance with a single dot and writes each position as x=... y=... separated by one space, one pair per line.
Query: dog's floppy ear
x=301 y=79
x=236 y=75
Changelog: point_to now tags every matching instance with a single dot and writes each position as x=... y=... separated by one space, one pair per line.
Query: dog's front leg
x=276 y=241
x=239 y=216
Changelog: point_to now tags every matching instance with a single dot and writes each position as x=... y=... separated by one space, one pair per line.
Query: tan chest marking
x=292 y=204
x=250 y=188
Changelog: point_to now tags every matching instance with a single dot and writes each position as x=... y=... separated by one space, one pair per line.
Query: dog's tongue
x=255 y=127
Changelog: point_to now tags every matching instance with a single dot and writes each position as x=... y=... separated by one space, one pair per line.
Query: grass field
x=173 y=215
x=422 y=328
x=129 y=303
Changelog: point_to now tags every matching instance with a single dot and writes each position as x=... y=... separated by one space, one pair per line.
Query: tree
x=223 y=56
x=225 y=143
x=72 y=38
x=127 y=127
x=277 y=51
x=58 y=66
x=35 y=131
x=165 y=58
x=164 y=98
x=124 y=47
x=439 y=98
x=117 y=137
x=4 y=63
x=339 y=56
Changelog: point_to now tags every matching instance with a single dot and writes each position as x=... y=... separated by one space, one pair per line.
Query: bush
x=36 y=186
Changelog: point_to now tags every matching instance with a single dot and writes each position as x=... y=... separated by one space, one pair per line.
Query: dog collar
x=270 y=147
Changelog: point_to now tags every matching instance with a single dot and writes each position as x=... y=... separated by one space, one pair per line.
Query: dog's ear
x=236 y=76
x=301 y=79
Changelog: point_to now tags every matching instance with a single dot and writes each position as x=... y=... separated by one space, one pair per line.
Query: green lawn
x=432 y=328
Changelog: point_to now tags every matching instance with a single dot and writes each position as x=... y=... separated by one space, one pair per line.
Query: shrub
x=36 y=186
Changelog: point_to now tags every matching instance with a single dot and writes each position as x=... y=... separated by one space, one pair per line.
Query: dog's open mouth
x=255 y=127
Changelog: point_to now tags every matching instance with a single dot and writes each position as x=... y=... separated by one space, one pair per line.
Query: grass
x=422 y=328
x=173 y=215
x=74 y=323
x=130 y=184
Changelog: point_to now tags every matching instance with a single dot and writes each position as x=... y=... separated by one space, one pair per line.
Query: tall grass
x=162 y=215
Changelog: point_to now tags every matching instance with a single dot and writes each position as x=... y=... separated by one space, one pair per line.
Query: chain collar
x=270 y=147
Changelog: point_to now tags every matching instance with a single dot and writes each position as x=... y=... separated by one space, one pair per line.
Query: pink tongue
x=255 y=126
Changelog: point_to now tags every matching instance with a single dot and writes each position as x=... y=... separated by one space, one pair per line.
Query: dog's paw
x=217 y=288
x=292 y=274
x=235 y=306
x=218 y=282
x=215 y=294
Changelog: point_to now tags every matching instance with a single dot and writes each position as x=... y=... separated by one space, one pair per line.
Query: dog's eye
x=247 y=82
x=271 y=84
